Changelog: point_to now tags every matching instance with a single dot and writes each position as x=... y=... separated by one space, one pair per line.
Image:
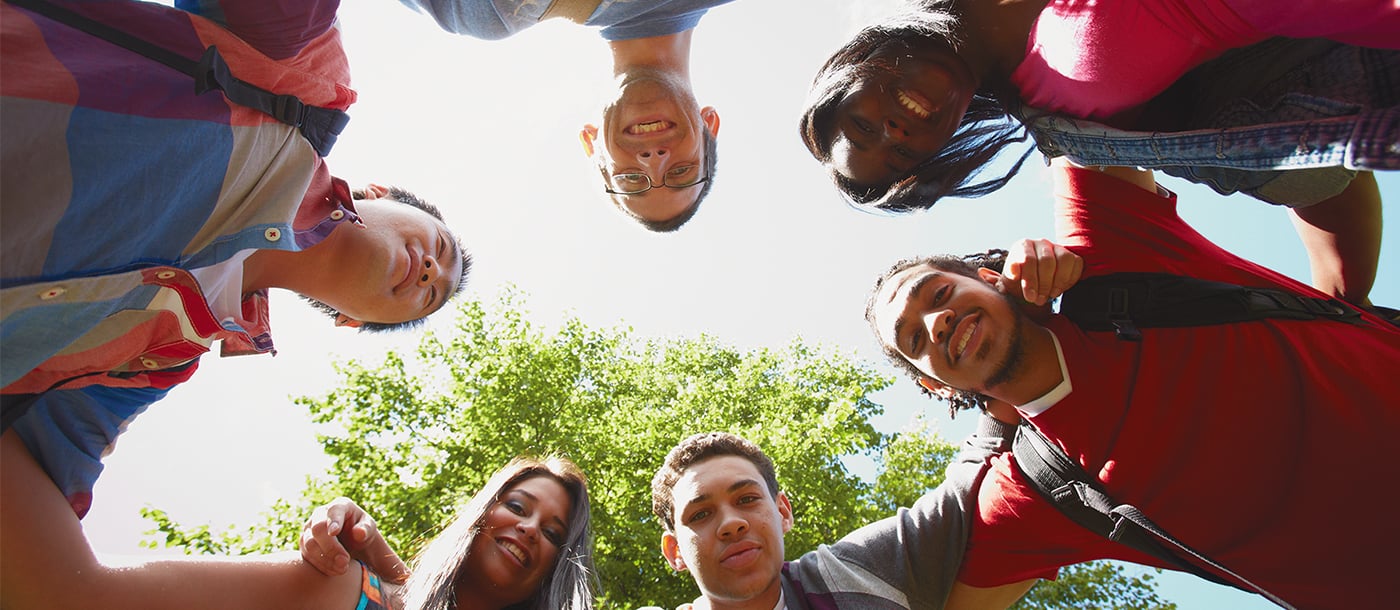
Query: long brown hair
x=569 y=586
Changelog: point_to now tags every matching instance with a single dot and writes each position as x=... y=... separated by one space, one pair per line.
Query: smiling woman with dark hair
x=913 y=107
x=523 y=542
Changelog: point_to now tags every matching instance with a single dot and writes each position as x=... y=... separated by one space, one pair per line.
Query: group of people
x=186 y=149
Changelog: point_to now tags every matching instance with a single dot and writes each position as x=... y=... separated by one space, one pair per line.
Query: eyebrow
x=736 y=486
x=901 y=323
x=535 y=500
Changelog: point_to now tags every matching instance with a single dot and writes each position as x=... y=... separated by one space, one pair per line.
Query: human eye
x=554 y=537
x=514 y=506
x=683 y=171
x=749 y=498
x=862 y=125
x=941 y=294
x=629 y=181
x=697 y=516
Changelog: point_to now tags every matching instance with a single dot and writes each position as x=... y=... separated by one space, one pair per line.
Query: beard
x=1014 y=362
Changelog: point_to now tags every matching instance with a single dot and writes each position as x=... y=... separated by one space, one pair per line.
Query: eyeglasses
x=636 y=183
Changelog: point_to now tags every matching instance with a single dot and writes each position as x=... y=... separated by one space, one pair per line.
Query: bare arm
x=49 y=564
x=1343 y=238
x=967 y=597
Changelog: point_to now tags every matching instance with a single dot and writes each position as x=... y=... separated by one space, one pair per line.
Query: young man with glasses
x=655 y=145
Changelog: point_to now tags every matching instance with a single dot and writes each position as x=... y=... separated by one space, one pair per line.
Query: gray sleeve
x=909 y=560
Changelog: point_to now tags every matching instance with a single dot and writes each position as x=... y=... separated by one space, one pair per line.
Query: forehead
x=894 y=293
x=713 y=477
x=548 y=494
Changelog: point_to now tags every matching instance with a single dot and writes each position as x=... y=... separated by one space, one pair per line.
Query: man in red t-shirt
x=1248 y=441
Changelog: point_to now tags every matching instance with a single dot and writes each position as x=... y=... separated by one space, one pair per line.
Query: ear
x=586 y=136
x=989 y=276
x=671 y=549
x=785 y=509
x=376 y=191
x=937 y=387
x=711 y=118
x=344 y=320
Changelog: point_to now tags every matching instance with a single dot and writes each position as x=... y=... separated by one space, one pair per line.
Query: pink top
x=1100 y=58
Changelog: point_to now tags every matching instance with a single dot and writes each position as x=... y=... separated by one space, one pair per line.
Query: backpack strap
x=1062 y=482
x=320 y=126
x=1126 y=302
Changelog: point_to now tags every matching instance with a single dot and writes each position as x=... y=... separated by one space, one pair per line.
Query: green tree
x=410 y=440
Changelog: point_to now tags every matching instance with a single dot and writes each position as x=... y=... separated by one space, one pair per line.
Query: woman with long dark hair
x=523 y=542
x=913 y=107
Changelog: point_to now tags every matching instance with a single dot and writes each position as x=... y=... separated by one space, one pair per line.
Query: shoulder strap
x=320 y=126
x=1071 y=490
x=1126 y=302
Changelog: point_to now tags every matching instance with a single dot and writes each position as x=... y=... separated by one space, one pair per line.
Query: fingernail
x=333 y=528
x=342 y=562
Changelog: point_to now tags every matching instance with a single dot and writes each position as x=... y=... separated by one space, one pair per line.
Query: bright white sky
x=488 y=131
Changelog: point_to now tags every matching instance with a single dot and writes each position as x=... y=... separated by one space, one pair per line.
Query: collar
x=1057 y=393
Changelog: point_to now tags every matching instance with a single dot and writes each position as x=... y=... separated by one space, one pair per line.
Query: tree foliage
x=411 y=440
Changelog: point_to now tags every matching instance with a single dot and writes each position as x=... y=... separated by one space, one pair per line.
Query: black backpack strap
x=1062 y=482
x=1127 y=302
x=320 y=126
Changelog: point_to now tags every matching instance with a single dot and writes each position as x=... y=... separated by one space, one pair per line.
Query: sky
x=488 y=132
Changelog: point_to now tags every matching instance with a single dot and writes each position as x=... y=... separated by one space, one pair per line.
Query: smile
x=963 y=340
x=914 y=103
x=514 y=550
x=652 y=127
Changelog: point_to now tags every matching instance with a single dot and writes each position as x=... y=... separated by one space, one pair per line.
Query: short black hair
x=402 y=196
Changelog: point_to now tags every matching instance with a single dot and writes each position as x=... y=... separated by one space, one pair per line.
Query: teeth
x=651 y=127
x=514 y=550
x=967 y=336
x=912 y=105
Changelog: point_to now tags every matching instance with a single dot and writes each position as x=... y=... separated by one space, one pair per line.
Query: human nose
x=938 y=324
x=895 y=131
x=733 y=525
x=430 y=270
x=652 y=154
x=528 y=528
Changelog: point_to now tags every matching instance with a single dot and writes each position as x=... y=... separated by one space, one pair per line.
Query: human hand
x=340 y=531
x=1039 y=270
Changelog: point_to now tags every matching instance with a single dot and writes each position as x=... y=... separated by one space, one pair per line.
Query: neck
x=1041 y=373
x=994 y=36
x=670 y=53
x=302 y=272
x=764 y=601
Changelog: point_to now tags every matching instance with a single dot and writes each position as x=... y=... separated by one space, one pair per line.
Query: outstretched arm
x=1343 y=238
x=49 y=564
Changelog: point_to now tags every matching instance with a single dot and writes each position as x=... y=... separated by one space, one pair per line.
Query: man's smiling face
x=729 y=533
x=955 y=329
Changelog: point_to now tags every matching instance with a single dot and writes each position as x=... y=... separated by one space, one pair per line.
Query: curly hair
x=966 y=265
x=983 y=132
x=698 y=448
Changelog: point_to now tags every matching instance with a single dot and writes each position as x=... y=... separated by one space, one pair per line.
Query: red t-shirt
x=1101 y=59
x=1262 y=444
